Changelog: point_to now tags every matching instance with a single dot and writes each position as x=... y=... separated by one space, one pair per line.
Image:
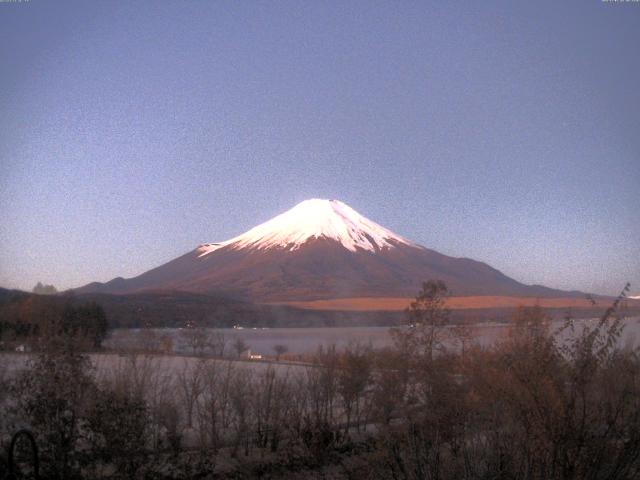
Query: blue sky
x=508 y=132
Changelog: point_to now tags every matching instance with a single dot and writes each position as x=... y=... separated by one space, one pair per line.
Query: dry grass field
x=394 y=304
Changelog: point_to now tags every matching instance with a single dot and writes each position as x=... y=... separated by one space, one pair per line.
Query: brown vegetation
x=454 y=303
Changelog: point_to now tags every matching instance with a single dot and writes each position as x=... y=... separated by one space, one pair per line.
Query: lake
x=308 y=340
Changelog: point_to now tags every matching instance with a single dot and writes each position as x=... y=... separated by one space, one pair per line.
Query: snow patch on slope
x=314 y=218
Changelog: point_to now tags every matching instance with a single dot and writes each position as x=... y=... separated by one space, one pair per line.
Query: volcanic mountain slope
x=320 y=249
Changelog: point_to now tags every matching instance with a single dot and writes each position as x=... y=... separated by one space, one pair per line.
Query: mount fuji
x=320 y=249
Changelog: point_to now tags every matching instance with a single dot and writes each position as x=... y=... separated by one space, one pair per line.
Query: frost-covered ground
x=111 y=363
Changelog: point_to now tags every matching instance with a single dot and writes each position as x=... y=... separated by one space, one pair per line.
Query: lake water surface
x=308 y=340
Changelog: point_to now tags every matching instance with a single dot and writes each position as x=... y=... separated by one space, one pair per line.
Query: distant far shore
x=395 y=304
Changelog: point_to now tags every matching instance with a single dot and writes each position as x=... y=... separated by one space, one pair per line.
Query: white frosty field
x=108 y=363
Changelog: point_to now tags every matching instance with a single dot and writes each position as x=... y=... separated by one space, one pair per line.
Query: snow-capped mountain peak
x=315 y=218
x=318 y=250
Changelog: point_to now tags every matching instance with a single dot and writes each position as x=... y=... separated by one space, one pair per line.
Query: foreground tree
x=52 y=396
x=537 y=405
x=118 y=423
x=426 y=317
x=354 y=379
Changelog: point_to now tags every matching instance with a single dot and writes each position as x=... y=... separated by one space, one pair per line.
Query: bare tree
x=190 y=385
x=462 y=333
x=270 y=404
x=240 y=402
x=353 y=380
x=280 y=350
x=197 y=339
x=217 y=343
x=426 y=317
x=213 y=406
x=240 y=346
x=322 y=385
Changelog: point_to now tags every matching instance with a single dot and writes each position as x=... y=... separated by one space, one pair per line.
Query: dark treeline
x=31 y=320
x=180 y=309
x=528 y=407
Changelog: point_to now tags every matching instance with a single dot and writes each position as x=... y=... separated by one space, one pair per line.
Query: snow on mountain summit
x=315 y=218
